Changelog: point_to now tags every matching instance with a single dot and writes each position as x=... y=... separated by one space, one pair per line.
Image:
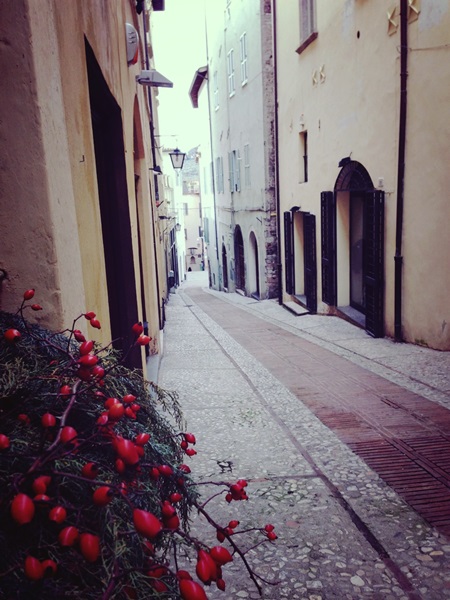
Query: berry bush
x=95 y=492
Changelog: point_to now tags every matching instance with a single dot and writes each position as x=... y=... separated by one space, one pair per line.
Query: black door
x=239 y=259
x=114 y=209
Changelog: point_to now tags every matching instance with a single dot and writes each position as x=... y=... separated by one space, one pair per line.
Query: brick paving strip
x=369 y=545
x=403 y=437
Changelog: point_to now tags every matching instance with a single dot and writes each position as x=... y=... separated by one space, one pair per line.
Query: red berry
x=33 y=568
x=165 y=470
x=68 y=434
x=98 y=371
x=190 y=438
x=272 y=535
x=68 y=536
x=269 y=527
x=36 y=307
x=90 y=315
x=154 y=473
x=4 y=441
x=220 y=535
x=41 y=498
x=57 y=514
x=90 y=546
x=48 y=420
x=191 y=590
x=86 y=347
x=191 y=452
x=95 y=323
x=233 y=524
x=49 y=566
x=11 y=335
x=116 y=411
x=28 y=294
x=185 y=469
x=88 y=360
x=102 y=495
x=175 y=497
x=128 y=399
x=110 y=401
x=172 y=522
x=127 y=451
x=221 y=555
x=22 y=509
x=142 y=439
x=65 y=391
x=25 y=419
x=41 y=483
x=146 y=523
x=143 y=340
x=78 y=335
x=130 y=412
x=120 y=466
x=90 y=470
x=137 y=328
x=168 y=510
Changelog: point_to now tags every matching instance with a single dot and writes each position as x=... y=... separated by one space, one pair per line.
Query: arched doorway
x=224 y=267
x=239 y=259
x=253 y=273
x=352 y=226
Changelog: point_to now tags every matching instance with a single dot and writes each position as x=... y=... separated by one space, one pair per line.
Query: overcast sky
x=179 y=50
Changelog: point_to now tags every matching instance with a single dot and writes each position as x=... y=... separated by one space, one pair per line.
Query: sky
x=178 y=41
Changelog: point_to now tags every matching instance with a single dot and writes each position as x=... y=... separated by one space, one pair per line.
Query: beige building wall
x=50 y=226
x=343 y=89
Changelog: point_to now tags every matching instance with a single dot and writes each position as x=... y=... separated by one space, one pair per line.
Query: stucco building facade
x=79 y=217
x=363 y=130
x=239 y=77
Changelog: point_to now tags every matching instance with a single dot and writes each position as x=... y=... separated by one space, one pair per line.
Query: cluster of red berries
x=85 y=372
x=237 y=491
x=188 y=438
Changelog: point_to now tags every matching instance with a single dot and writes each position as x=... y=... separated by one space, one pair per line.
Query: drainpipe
x=398 y=258
x=212 y=150
x=277 y=185
x=161 y=318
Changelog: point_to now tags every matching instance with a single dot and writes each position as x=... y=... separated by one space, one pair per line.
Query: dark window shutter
x=288 y=253
x=328 y=231
x=374 y=262
x=309 y=235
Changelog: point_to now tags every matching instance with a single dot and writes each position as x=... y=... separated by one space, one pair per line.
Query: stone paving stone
x=323 y=500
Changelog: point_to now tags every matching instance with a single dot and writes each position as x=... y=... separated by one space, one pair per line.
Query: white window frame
x=247 y=181
x=216 y=90
x=243 y=53
x=230 y=67
x=308 y=24
x=219 y=175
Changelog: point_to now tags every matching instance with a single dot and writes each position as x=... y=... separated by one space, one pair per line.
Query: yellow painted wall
x=50 y=226
x=344 y=90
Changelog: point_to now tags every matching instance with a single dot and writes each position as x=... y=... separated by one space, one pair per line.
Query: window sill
x=307 y=42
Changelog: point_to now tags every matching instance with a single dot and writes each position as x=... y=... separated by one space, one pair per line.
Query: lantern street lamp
x=177 y=157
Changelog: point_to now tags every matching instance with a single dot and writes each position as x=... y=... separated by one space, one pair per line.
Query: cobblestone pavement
x=343 y=533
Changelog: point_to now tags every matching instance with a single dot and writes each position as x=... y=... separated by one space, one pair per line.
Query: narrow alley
x=344 y=440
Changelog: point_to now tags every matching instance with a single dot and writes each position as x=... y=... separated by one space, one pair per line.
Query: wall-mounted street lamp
x=177 y=157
